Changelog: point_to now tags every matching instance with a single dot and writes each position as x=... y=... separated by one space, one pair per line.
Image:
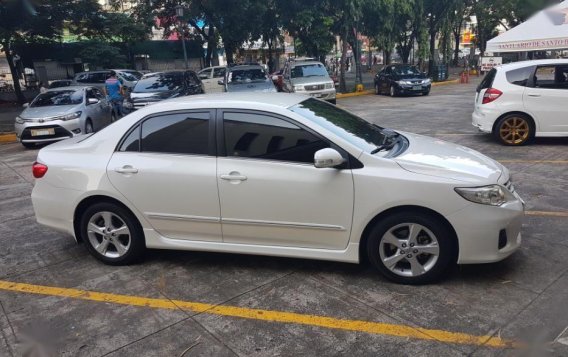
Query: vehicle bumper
x=492 y=235
x=484 y=119
x=59 y=130
x=53 y=206
x=325 y=94
x=417 y=89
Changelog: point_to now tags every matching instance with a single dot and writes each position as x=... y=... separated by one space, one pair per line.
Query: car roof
x=245 y=66
x=303 y=63
x=75 y=87
x=521 y=64
x=282 y=100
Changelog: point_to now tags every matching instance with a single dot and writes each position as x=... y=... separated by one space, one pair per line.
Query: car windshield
x=159 y=83
x=131 y=76
x=240 y=76
x=406 y=71
x=308 y=70
x=64 y=97
x=349 y=127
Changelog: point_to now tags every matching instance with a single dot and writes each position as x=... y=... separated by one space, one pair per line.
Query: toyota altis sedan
x=281 y=175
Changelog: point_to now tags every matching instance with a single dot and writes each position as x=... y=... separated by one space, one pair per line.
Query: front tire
x=89 y=127
x=112 y=234
x=333 y=101
x=411 y=248
x=29 y=145
x=392 y=91
x=514 y=130
x=377 y=89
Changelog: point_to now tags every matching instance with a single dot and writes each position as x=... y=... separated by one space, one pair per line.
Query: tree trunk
x=211 y=46
x=387 y=57
x=342 y=84
x=457 y=48
x=229 y=52
x=432 y=52
x=16 y=79
x=270 y=61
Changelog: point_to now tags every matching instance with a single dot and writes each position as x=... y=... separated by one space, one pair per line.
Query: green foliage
x=103 y=55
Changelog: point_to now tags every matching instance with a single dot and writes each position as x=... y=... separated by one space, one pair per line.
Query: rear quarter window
x=520 y=76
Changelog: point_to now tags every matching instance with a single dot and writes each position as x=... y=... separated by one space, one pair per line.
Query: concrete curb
x=372 y=91
x=8 y=138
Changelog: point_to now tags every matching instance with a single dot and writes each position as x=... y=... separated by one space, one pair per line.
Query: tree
x=436 y=13
x=103 y=55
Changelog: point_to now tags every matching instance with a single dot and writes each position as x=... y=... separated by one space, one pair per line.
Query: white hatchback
x=277 y=174
x=519 y=101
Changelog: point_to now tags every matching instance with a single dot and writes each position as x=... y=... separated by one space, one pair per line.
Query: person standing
x=114 y=91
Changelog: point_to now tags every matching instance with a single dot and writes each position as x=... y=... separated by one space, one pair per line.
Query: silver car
x=310 y=78
x=61 y=113
x=127 y=77
x=247 y=78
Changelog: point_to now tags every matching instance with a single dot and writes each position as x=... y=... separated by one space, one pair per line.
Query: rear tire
x=411 y=248
x=514 y=130
x=112 y=234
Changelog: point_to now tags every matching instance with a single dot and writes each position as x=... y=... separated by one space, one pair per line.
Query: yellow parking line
x=376 y=328
x=547 y=213
x=8 y=138
x=534 y=161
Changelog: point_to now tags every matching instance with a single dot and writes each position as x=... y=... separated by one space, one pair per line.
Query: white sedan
x=281 y=175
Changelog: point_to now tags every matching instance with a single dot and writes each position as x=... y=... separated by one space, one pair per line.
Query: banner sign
x=487 y=63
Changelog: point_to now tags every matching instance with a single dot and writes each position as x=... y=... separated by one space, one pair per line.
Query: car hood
x=153 y=96
x=48 y=111
x=433 y=157
x=264 y=86
x=311 y=80
x=410 y=77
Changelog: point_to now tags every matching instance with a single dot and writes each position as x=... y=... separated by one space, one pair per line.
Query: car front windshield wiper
x=391 y=139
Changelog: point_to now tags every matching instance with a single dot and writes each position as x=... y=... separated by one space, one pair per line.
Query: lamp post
x=179 y=14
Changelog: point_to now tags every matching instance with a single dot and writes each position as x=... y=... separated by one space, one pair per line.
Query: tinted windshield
x=131 y=76
x=406 y=71
x=247 y=75
x=308 y=70
x=159 y=83
x=351 y=128
x=64 y=97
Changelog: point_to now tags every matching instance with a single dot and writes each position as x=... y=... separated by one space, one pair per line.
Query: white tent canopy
x=547 y=30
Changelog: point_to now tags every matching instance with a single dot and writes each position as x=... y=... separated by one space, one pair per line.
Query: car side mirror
x=221 y=82
x=92 y=101
x=327 y=157
x=25 y=105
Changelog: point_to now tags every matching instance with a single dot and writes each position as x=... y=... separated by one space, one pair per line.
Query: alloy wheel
x=514 y=130
x=108 y=234
x=409 y=249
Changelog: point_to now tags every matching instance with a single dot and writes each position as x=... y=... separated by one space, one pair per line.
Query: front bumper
x=325 y=94
x=27 y=132
x=413 y=89
x=488 y=234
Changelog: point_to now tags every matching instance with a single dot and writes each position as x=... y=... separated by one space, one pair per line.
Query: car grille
x=315 y=87
x=60 y=132
x=417 y=81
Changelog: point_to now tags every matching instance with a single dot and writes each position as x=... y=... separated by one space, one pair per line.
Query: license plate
x=42 y=132
x=316 y=95
x=417 y=88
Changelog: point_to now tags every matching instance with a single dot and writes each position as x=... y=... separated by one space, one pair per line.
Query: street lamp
x=179 y=14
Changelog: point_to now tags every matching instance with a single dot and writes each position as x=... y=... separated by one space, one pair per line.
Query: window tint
x=83 y=78
x=132 y=141
x=487 y=81
x=218 y=72
x=186 y=133
x=520 y=76
x=553 y=77
x=192 y=78
x=264 y=137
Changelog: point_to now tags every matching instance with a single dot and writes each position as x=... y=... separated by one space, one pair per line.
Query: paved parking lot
x=54 y=295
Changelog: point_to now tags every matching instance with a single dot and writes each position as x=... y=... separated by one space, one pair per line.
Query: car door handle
x=126 y=169
x=233 y=176
x=534 y=95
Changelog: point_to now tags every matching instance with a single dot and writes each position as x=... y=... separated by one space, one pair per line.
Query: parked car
x=60 y=83
x=398 y=79
x=308 y=77
x=128 y=78
x=62 y=113
x=519 y=101
x=247 y=78
x=282 y=175
x=164 y=85
x=210 y=77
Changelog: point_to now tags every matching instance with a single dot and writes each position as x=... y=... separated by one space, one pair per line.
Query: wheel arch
x=518 y=112
x=91 y=200
x=406 y=209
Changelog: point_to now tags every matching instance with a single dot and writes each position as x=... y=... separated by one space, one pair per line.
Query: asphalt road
x=53 y=295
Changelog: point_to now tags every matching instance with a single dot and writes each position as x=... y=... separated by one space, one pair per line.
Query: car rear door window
x=520 y=76
x=132 y=141
x=551 y=77
x=260 y=136
x=186 y=133
x=218 y=72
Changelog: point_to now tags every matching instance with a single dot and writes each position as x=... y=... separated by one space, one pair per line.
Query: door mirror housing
x=92 y=101
x=327 y=157
x=25 y=105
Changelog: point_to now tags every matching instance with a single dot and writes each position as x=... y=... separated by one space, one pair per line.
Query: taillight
x=39 y=169
x=490 y=95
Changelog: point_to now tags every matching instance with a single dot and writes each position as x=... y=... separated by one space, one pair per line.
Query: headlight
x=19 y=120
x=329 y=85
x=298 y=88
x=403 y=82
x=493 y=195
x=427 y=81
x=127 y=104
x=68 y=116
